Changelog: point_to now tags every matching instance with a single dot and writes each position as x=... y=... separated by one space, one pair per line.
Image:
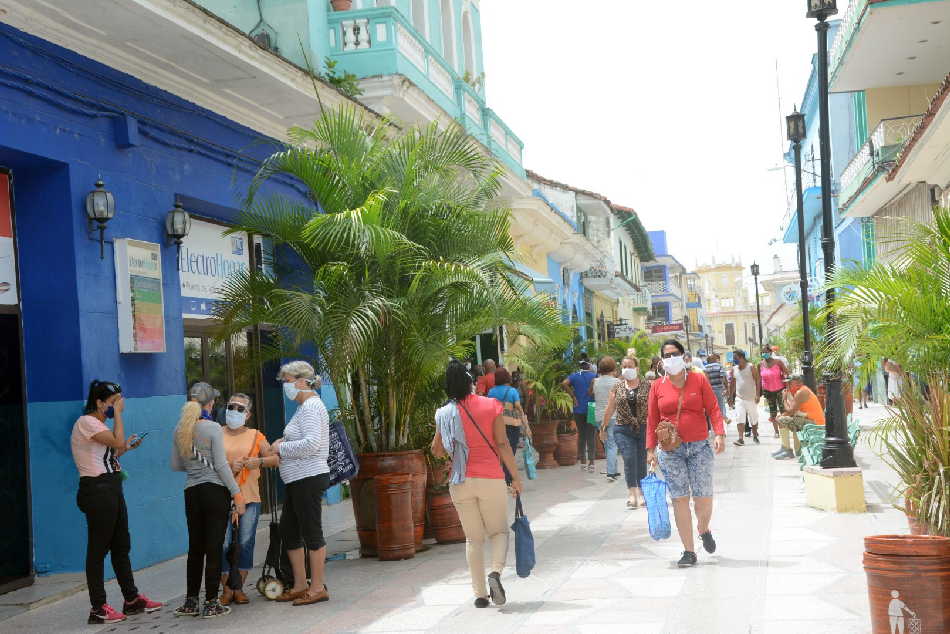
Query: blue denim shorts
x=688 y=470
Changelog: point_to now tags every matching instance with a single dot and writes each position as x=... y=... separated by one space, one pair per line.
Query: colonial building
x=730 y=311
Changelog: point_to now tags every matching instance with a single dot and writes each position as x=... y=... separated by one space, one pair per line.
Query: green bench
x=812 y=438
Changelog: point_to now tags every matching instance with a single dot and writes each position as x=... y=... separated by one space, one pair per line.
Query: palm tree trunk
x=367 y=417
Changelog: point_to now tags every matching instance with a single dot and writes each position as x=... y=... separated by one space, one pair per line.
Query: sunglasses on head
x=237 y=407
x=114 y=388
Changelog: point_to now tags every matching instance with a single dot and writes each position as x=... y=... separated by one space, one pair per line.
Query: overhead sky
x=668 y=107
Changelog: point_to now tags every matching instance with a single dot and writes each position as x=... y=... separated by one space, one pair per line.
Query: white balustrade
x=410 y=47
x=498 y=134
x=441 y=78
x=355 y=34
x=472 y=109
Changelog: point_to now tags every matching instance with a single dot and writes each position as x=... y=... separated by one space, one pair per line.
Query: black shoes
x=481 y=602
x=709 y=544
x=495 y=589
x=688 y=560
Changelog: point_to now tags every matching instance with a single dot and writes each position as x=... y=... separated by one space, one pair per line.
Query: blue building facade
x=65 y=122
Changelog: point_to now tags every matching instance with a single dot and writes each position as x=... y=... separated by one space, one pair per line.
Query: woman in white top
x=600 y=389
x=303 y=452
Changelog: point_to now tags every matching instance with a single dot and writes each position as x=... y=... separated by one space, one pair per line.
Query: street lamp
x=796 y=134
x=100 y=209
x=837 y=451
x=686 y=328
x=758 y=311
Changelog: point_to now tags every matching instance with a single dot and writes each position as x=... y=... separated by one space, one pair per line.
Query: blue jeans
x=610 y=447
x=247 y=532
x=632 y=446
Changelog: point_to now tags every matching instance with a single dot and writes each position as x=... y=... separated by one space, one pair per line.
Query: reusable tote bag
x=658 y=515
x=530 y=456
x=341 y=459
x=524 y=541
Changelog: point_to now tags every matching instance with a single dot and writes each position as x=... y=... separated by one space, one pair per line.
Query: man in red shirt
x=686 y=399
x=487 y=380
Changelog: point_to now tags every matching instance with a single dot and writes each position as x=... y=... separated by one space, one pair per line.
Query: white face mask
x=674 y=365
x=629 y=373
x=291 y=391
x=234 y=419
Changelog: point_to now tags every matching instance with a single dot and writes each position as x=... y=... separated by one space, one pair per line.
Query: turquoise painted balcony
x=381 y=46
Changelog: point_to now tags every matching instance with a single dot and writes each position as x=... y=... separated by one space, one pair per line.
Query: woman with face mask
x=628 y=400
x=303 y=453
x=247 y=451
x=96 y=450
x=773 y=372
x=685 y=399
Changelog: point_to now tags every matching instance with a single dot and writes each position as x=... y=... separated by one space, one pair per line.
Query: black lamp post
x=837 y=451
x=686 y=328
x=100 y=209
x=796 y=134
x=758 y=311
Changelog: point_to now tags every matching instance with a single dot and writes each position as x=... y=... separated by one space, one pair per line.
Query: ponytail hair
x=99 y=391
x=185 y=431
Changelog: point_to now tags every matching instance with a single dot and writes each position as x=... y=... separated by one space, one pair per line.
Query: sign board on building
x=8 y=286
x=671 y=327
x=623 y=331
x=207 y=259
x=138 y=273
x=791 y=294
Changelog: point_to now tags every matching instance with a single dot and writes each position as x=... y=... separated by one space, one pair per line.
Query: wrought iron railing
x=879 y=152
x=849 y=25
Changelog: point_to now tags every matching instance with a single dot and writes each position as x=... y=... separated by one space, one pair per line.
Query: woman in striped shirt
x=303 y=452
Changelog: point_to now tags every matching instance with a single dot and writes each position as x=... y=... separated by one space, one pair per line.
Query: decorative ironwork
x=879 y=152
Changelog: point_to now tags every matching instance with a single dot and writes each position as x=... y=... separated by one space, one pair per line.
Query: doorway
x=225 y=365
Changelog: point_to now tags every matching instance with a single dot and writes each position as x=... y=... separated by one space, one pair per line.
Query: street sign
x=673 y=327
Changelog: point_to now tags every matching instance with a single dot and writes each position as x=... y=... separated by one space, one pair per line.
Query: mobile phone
x=139 y=439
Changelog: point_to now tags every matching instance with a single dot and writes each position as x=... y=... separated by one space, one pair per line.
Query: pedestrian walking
x=487 y=380
x=210 y=487
x=656 y=369
x=303 y=451
x=681 y=400
x=745 y=392
x=471 y=430
x=772 y=373
x=601 y=389
x=247 y=451
x=515 y=420
x=895 y=381
x=577 y=385
x=717 y=380
x=628 y=400
x=96 y=450
x=802 y=407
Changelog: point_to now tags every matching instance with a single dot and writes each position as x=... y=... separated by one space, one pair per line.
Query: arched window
x=468 y=41
x=420 y=17
x=448 y=32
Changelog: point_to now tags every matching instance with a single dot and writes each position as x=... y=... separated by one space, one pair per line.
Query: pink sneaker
x=141 y=604
x=105 y=615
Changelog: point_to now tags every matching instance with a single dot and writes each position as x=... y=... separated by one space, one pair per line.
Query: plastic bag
x=530 y=459
x=658 y=515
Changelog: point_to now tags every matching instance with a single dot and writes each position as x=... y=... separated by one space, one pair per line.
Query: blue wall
x=570 y=298
x=61 y=118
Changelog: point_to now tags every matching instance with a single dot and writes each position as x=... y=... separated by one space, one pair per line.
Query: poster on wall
x=207 y=259
x=138 y=269
x=8 y=288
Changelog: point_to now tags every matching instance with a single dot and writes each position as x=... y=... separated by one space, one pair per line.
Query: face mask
x=766 y=356
x=110 y=412
x=629 y=373
x=674 y=365
x=794 y=389
x=291 y=391
x=234 y=419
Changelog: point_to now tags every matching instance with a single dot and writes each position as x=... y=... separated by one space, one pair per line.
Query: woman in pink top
x=773 y=373
x=472 y=429
x=96 y=450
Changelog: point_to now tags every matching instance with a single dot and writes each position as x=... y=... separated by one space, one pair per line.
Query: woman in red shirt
x=471 y=430
x=686 y=398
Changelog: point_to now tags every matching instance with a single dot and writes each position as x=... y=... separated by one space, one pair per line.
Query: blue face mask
x=110 y=412
x=766 y=355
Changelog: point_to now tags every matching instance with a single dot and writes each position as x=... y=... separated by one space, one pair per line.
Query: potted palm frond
x=409 y=260
x=544 y=369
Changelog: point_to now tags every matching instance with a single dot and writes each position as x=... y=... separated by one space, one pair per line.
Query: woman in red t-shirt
x=463 y=429
x=685 y=398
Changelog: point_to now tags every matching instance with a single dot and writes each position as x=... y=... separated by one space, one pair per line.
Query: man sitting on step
x=801 y=407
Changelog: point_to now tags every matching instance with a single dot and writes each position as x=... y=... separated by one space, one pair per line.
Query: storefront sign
x=8 y=288
x=207 y=259
x=138 y=271
x=623 y=331
x=658 y=328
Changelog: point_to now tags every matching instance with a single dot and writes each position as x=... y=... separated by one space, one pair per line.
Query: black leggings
x=101 y=499
x=774 y=400
x=207 y=509
x=586 y=439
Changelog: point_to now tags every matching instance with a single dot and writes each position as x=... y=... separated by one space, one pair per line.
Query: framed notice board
x=138 y=272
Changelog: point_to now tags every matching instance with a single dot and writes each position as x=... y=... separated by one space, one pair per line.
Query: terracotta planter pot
x=566 y=453
x=394 y=529
x=444 y=519
x=363 y=494
x=545 y=441
x=913 y=570
x=341 y=5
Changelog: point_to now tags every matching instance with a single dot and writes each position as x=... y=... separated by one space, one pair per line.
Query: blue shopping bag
x=658 y=515
x=524 y=541
x=342 y=460
x=530 y=455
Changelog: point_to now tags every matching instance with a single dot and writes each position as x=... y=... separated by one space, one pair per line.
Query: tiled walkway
x=781 y=567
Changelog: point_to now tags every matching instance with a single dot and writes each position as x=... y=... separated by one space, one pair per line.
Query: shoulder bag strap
x=479 y=430
x=679 y=405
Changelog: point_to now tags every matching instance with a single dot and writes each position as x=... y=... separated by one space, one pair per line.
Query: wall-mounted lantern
x=177 y=224
x=100 y=209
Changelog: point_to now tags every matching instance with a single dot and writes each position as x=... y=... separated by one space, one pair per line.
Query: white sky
x=674 y=113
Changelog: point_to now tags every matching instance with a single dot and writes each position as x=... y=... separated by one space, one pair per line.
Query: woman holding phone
x=96 y=450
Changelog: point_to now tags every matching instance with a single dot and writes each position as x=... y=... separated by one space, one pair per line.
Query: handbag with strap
x=509 y=414
x=255 y=451
x=341 y=459
x=524 y=541
x=667 y=435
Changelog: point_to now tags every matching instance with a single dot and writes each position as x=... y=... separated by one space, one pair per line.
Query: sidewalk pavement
x=780 y=567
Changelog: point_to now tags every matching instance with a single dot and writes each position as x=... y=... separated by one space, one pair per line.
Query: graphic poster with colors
x=8 y=288
x=141 y=306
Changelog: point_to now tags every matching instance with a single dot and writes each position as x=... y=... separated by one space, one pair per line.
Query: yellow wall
x=897 y=101
x=536 y=261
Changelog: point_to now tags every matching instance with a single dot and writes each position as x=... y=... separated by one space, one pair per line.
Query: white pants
x=747 y=408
